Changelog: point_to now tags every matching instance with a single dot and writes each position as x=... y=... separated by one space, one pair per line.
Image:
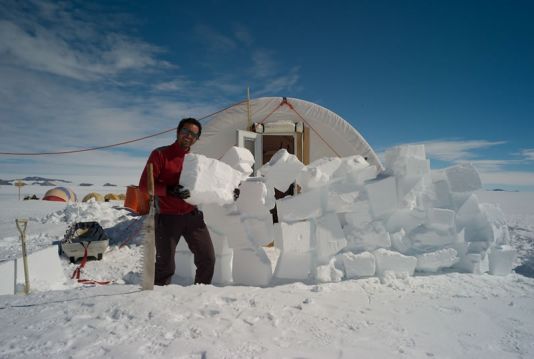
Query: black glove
x=237 y=192
x=178 y=191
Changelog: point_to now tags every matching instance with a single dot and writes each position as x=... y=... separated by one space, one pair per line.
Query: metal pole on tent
x=248 y=109
x=21 y=226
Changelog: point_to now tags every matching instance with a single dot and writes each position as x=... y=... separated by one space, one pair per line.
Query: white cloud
x=528 y=154
x=263 y=63
x=70 y=45
x=280 y=83
x=456 y=150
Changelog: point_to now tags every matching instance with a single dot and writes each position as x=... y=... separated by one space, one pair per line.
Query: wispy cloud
x=86 y=54
x=457 y=150
x=528 y=154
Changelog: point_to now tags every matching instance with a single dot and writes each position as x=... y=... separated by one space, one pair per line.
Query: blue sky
x=457 y=76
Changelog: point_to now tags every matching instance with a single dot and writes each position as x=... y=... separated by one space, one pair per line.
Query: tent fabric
x=111 y=197
x=97 y=196
x=60 y=194
x=330 y=135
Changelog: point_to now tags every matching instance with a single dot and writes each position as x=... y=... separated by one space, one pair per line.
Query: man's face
x=188 y=135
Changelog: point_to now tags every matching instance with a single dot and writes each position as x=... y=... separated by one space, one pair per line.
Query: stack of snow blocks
x=346 y=220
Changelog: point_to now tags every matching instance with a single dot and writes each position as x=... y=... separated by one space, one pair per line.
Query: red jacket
x=167 y=165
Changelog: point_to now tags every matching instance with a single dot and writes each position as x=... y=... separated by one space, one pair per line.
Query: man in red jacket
x=175 y=217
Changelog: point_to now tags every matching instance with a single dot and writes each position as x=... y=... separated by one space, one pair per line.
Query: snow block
x=407 y=219
x=341 y=202
x=215 y=216
x=209 y=180
x=388 y=261
x=251 y=267
x=468 y=212
x=302 y=206
x=252 y=200
x=400 y=242
x=360 y=216
x=45 y=270
x=294 y=266
x=260 y=231
x=185 y=264
x=463 y=178
x=318 y=173
x=240 y=159
x=382 y=196
x=294 y=237
x=281 y=170
x=7 y=278
x=427 y=239
x=434 y=261
x=329 y=238
x=328 y=273
x=441 y=219
x=442 y=194
x=369 y=238
x=350 y=165
x=501 y=260
x=223 y=269
x=471 y=263
x=359 y=265
x=395 y=158
x=220 y=243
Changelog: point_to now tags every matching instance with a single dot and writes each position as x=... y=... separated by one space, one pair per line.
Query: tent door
x=253 y=142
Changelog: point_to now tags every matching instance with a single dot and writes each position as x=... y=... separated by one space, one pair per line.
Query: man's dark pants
x=169 y=229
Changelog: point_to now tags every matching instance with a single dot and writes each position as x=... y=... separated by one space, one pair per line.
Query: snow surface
x=445 y=315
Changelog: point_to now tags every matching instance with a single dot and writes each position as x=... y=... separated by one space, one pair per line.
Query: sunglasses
x=187 y=132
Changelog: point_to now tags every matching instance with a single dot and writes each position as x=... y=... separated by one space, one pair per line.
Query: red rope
x=112 y=145
x=77 y=271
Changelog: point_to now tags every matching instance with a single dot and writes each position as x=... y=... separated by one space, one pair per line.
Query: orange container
x=136 y=200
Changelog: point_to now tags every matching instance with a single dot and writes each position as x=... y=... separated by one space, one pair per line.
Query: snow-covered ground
x=434 y=316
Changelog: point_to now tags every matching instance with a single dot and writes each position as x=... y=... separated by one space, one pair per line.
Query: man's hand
x=237 y=192
x=178 y=191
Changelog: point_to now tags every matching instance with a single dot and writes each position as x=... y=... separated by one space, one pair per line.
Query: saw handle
x=150 y=180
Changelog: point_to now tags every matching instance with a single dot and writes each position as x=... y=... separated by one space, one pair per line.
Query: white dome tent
x=266 y=124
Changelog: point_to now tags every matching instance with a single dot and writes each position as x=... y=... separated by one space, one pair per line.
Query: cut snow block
x=471 y=263
x=359 y=265
x=360 y=216
x=252 y=199
x=220 y=243
x=468 y=212
x=240 y=159
x=260 y=231
x=395 y=158
x=185 y=265
x=281 y=170
x=318 y=173
x=209 y=180
x=382 y=196
x=302 y=206
x=434 y=261
x=350 y=164
x=215 y=216
x=388 y=261
x=328 y=273
x=501 y=260
x=294 y=266
x=293 y=237
x=329 y=238
x=369 y=238
x=442 y=194
x=223 y=269
x=425 y=239
x=340 y=202
x=46 y=272
x=400 y=242
x=7 y=277
x=234 y=231
x=406 y=219
x=251 y=267
x=441 y=219
x=463 y=178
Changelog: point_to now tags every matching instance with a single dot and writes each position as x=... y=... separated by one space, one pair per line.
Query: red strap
x=77 y=271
